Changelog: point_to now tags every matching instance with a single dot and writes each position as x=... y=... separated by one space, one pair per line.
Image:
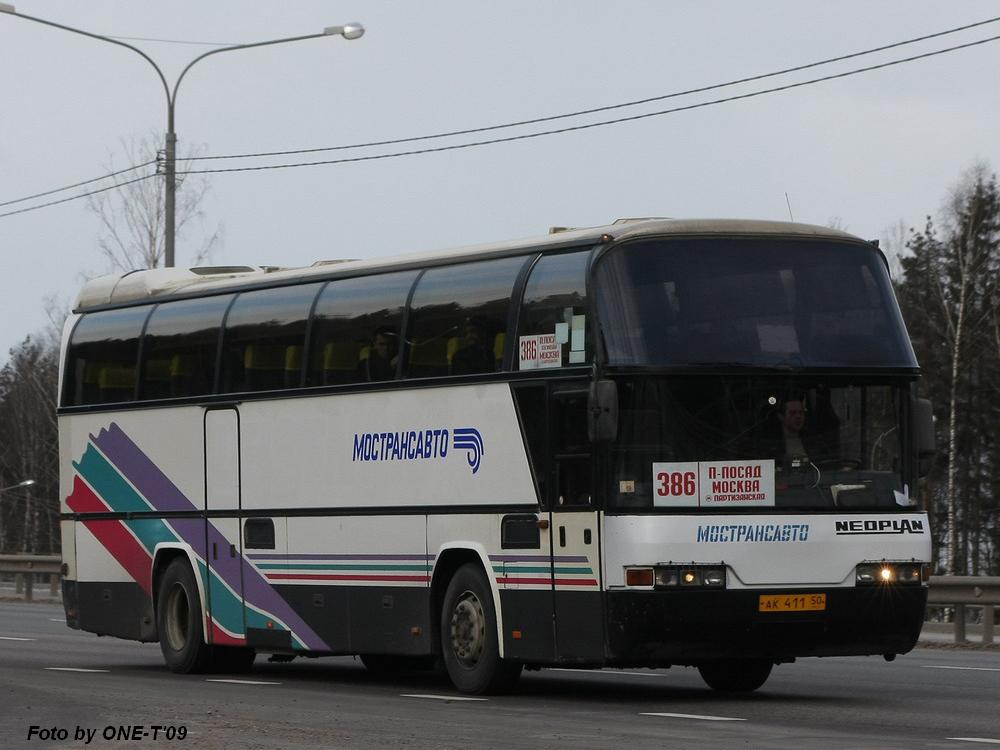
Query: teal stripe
x=108 y=483
x=112 y=488
x=227 y=609
x=294 y=566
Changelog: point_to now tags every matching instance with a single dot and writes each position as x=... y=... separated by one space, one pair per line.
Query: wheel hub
x=468 y=629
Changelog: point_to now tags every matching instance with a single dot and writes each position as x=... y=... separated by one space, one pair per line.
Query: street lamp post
x=347 y=31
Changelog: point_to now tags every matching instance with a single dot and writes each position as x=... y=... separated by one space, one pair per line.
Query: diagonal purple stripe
x=163 y=495
x=159 y=491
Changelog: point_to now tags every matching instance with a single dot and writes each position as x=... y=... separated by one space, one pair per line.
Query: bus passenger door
x=576 y=567
x=223 y=552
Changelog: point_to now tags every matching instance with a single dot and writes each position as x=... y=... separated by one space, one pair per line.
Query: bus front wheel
x=469 y=636
x=735 y=675
x=178 y=621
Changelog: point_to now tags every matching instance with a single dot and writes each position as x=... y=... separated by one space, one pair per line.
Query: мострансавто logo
x=417 y=445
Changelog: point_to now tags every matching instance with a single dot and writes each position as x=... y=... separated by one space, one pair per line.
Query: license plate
x=791 y=602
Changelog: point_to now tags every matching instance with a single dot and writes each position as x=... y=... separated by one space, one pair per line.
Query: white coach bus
x=647 y=444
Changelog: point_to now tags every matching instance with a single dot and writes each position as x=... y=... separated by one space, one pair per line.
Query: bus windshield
x=758 y=442
x=752 y=301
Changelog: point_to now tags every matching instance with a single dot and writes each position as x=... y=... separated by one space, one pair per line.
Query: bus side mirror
x=602 y=408
x=923 y=430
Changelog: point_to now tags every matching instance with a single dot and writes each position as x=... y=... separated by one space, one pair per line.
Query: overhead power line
x=531 y=121
x=609 y=107
x=76 y=184
x=77 y=197
x=573 y=128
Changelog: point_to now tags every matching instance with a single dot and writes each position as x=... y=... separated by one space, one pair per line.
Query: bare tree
x=893 y=243
x=132 y=217
x=29 y=517
x=952 y=294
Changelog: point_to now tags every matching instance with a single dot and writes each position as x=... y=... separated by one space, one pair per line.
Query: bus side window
x=555 y=300
x=355 y=333
x=264 y=336
x=181 y=346
x=103 y=354
x=456 y=316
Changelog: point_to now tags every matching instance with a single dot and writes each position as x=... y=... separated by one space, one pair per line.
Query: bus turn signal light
x=639 y=577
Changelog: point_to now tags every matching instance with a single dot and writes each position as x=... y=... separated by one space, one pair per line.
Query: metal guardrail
x=962 y=592
x=25 y=568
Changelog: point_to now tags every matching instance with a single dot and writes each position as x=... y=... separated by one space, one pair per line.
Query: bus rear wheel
x=735 y=675
x=179 y=621
x=469 y=643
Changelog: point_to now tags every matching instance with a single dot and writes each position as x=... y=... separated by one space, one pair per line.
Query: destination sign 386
x=729 y=484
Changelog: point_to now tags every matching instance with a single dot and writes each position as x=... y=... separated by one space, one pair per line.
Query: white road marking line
x=693 y=716
x=12 y=638
x=74 y=669
x=984 y=740
x=442 y=697
x=242 y=682
x=57 y=619
x=968 y=669
x=606 y=671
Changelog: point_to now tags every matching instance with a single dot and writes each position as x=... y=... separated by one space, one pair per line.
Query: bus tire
x=469 y=644
x=735 y=675
x=179 y=621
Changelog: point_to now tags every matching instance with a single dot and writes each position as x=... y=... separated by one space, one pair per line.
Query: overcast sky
x=866 y=151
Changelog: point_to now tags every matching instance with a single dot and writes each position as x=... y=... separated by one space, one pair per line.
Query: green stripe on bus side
x=227 y=609
x=518 y=569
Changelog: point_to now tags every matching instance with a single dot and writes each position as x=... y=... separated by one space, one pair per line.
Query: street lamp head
x=7 y=8
x=348 y=30
x=19 y=485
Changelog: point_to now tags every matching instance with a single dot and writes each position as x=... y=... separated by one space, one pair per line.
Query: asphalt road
x=930 y=698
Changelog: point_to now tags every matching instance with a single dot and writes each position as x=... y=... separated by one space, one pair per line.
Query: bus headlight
x=666 y=577
x=885 y=573
x=714 y=577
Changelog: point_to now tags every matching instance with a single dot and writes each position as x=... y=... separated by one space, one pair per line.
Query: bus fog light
x=866 y=574
x=639 y=577
x=715 y=577
x=666 y=577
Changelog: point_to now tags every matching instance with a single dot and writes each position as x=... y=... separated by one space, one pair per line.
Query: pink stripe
x=113 y=535
x=221 y=638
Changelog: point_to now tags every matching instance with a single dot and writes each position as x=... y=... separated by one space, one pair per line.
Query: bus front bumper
x=659 y=628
